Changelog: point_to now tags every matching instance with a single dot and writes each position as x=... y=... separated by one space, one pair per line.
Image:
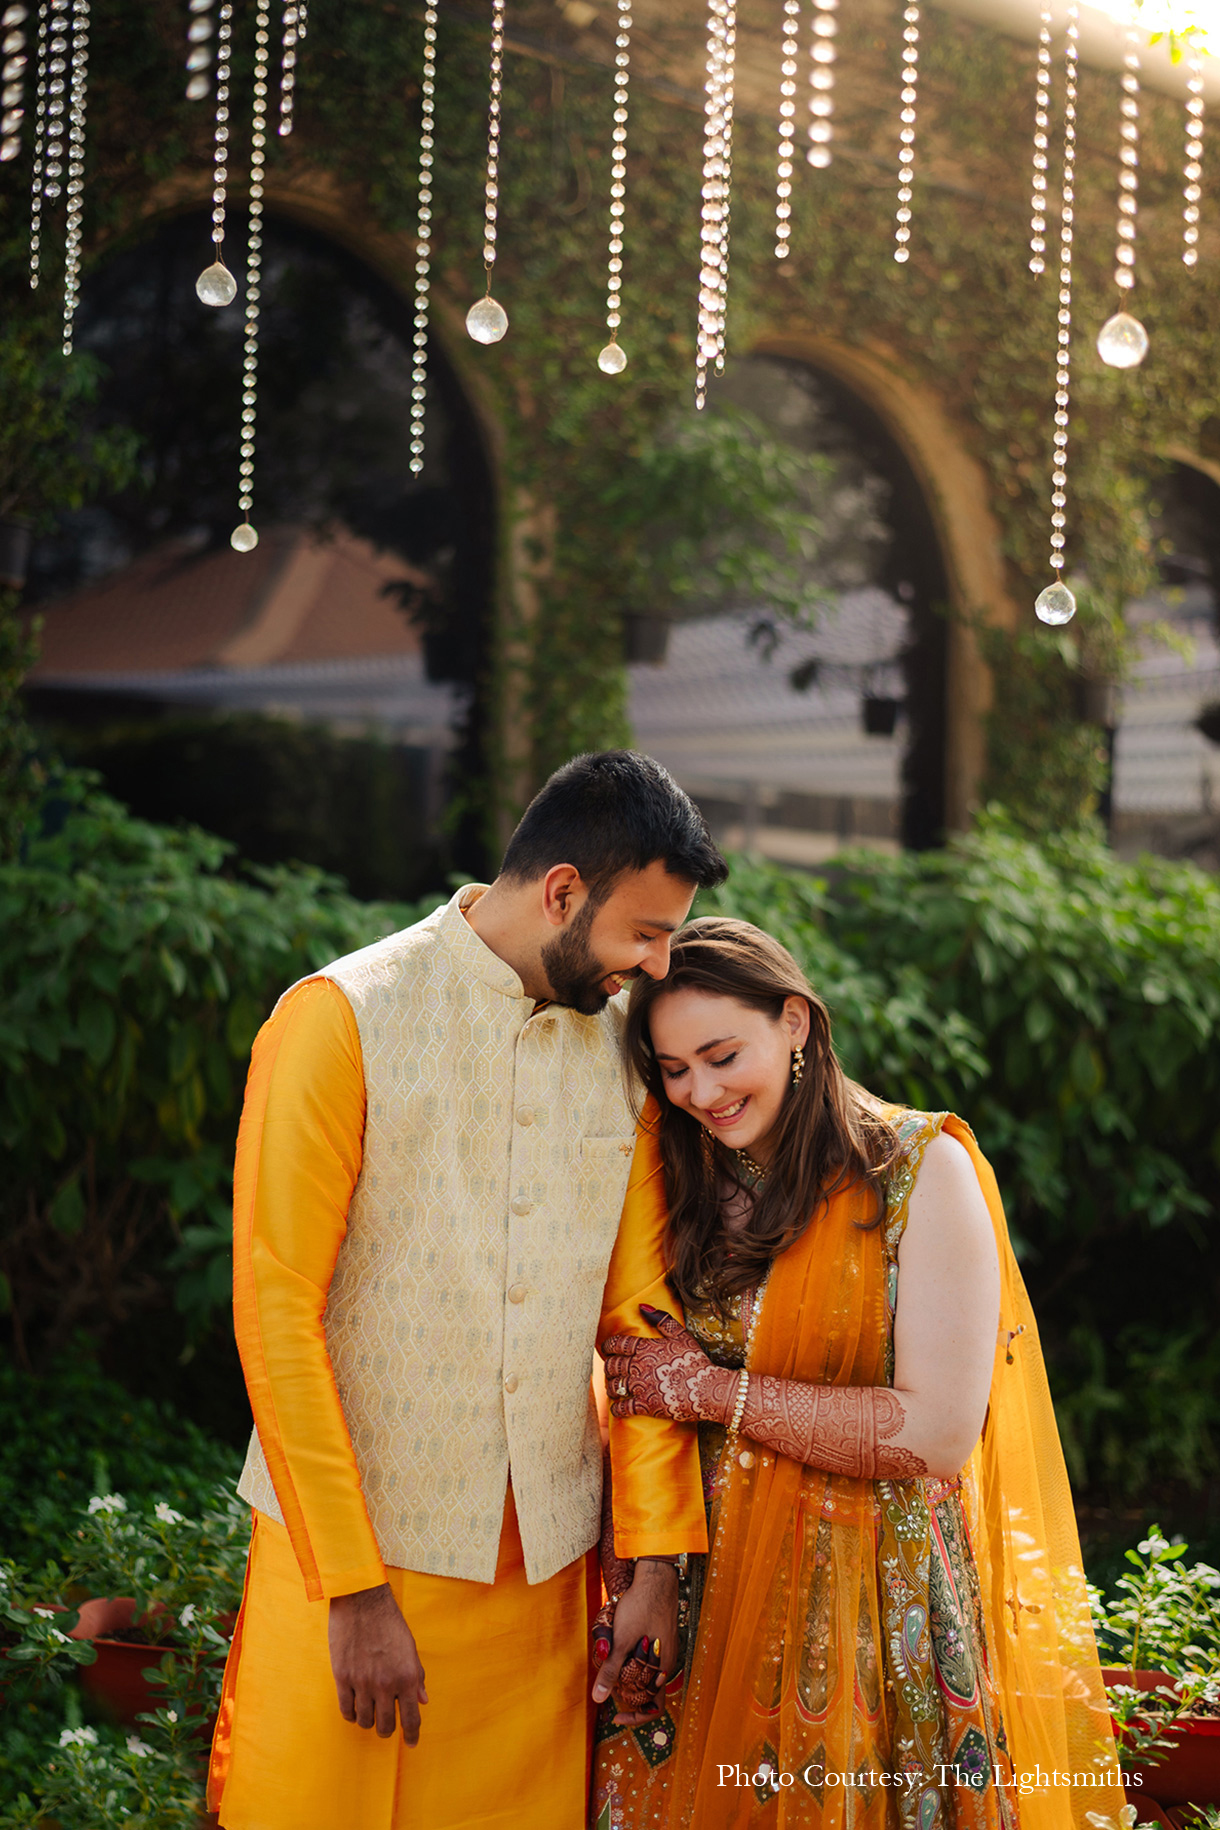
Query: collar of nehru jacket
x=472 y=955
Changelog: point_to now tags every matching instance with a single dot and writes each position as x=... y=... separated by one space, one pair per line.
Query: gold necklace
x=754 y=1171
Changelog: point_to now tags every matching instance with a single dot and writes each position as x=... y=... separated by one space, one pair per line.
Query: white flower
x=107 y=1502
x=78 y=1737
x=45 y=1613
x=167 y=1515
x=139 y=1748
x=187 y=1617
x=171 y=1715
x=61 y=1637
x=1126 y=1819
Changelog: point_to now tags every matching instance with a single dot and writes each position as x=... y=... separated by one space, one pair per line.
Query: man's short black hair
x=610 y=812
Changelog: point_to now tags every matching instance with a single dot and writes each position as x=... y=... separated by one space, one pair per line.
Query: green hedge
x=1068 y=1005
x=1065 y=1003
x=134 y=973
x=277 y=790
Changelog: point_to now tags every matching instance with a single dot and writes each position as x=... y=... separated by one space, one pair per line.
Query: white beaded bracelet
x=743 y=1387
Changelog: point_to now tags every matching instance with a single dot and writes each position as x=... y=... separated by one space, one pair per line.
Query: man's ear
x=563 y=891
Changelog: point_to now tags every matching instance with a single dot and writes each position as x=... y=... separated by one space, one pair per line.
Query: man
x=432 y=1160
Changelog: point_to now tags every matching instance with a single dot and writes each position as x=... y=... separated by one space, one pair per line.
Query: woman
x=892 y=1627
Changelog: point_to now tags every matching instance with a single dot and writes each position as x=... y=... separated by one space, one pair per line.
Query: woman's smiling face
x=726 y=1064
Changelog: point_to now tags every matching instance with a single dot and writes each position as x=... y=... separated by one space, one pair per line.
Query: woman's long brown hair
x=830 y=1132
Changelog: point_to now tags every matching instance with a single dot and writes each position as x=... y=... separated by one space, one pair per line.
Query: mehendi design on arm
x=843 y=1429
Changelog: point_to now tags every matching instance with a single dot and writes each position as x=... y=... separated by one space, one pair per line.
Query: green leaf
x=68 y=1210
x=174 y=971
x=1039 y=1020
x=1086 y=1068
x=96 y=1027
x=242 y=1021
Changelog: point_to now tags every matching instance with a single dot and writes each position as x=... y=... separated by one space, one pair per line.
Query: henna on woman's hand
x=672 y=1377
x=843 y=1429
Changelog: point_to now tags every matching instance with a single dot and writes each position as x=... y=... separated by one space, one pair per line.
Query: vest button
x=525 y=1115
x=510 y=1384
x=517 y=1293
x=521 y=1204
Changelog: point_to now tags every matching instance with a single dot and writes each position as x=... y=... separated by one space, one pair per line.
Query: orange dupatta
x=753 y=1686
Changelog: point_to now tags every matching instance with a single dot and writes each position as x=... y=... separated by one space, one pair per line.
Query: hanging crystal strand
x=12 y=97
x=726 y=111
x=423 y=243
x=244 y=537
x=1042 y=99
x=1122 y=341
x=199 y=55
x=288 y=66
x=302 y=19
x=1193 y=169
x=906 y=136
x=787 y=119
x=57 y=64
x=822 y=81
x=711 y=192
x=40 y=141
x=76 y=164
x=216 y=285
x=487 y=320
x=613 y=359
x=1056 y=603
x=714 y=208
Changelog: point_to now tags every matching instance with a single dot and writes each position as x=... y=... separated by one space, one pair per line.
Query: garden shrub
x=278 y=790
x=70 y=1433
x=1068 y=1005
x=63 y=1759
x=134 y=974
x=1065 y=1002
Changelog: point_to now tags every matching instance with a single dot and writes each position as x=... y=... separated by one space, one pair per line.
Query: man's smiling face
x=604 y=945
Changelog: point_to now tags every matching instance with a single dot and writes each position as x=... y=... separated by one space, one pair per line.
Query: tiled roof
x=295 y=598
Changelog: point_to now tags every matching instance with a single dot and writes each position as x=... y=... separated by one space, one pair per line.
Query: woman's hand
x=672 y=1377
x=638 y=1648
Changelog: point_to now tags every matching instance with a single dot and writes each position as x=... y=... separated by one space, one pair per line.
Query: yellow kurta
x=505 y=1737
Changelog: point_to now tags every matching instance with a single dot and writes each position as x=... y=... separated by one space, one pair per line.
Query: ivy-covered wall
x=964 y=321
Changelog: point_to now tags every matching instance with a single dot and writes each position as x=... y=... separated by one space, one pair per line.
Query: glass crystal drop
x=244 y=538
x=1056 y=604
x=1122 y=341
x=612 y=360
x=216 y=285
x=486 y=321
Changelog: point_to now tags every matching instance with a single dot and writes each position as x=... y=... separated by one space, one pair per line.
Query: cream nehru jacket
x=461 y=1316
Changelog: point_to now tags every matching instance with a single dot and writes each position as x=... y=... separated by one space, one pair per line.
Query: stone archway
x=309 y=204
x=954 y=486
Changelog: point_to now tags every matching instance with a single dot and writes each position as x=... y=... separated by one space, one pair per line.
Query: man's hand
x=375 y=1663
x=647 y=1613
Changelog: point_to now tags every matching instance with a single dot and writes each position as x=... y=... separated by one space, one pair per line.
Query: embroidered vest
x=461 y=1317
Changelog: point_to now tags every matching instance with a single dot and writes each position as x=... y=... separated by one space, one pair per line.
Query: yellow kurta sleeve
x=658 y=1493
x=299 y=1151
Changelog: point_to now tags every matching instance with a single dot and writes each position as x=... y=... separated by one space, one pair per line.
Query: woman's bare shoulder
x=947 y=1198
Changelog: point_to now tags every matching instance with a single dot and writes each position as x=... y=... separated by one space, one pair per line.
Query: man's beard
x=573 y=970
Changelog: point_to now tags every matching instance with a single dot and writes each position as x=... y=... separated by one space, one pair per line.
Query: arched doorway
x=799 y=740
x=332 y=477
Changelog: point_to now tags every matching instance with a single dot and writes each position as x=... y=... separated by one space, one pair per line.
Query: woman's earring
x=798 y=1065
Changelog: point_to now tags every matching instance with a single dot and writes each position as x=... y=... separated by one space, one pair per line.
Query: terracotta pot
x=1189 y=1774
x=116 y=1678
